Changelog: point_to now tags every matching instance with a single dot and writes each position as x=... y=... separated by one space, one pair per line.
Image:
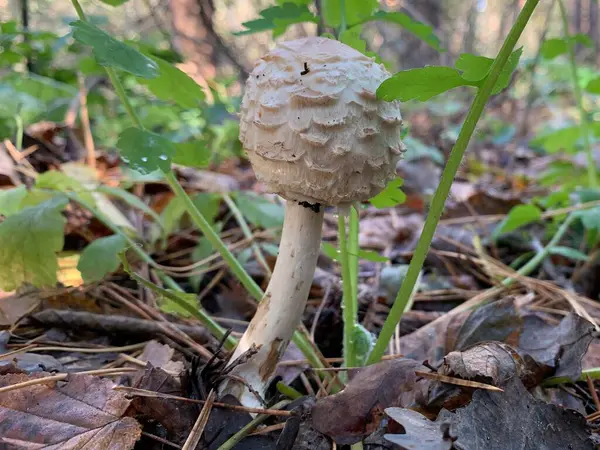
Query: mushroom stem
x=281 y=309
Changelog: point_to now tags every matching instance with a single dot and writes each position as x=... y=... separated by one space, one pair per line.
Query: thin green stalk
x=353 y=249
x=349 y=306
x=534 y=262
x=439 y=198
x=237 y=437
x=593 y=373
x=79 y=10
x=591 y=165
x=343 y=24
x=241 y=220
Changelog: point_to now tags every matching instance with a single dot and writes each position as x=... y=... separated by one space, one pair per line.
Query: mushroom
x=315 y=134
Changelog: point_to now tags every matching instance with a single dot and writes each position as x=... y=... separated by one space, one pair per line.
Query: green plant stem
x=583 y=120
x=343 y=24
x=237 y=437
x=353 y=249
x=79 y=10
x=349 y=306
x=593 y=373
x=534 y=262
x=19 y=138
x=441 y=193
x=239 y=217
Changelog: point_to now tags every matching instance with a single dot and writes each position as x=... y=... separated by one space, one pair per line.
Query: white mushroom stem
x=282 y=306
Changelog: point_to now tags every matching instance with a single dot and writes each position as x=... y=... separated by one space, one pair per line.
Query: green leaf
x=330 y=251
x=551 y=48
x=11 y=199
x=29 y=241
x=110 y=52
x=259 y=211
x=418 y=29
x=362 y=341
x=192 y=154
x=295 y=2
x=563 y=139
x=173 y=85
x=420 y=84
x=590 y=218
x=101 y=258
x=507 y=70
x=169 y=306
x=201 y=251
x=569 y=252
x=114 y=2
x=359 y=10
x=171 y=216
x=278 y=18
x=59 y=181
x=517 y=217
x=351 y=37
x=416 y=149
x=476 y=68
x=129 y=198
x=391 y=196
x=593 y=86
x=145 y=151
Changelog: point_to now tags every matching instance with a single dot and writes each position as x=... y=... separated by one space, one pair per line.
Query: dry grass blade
x=458 y=381
x=192 y=441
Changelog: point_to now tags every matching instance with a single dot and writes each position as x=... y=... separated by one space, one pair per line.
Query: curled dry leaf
x=419 y=432
x=65 y=415
x=357 y=410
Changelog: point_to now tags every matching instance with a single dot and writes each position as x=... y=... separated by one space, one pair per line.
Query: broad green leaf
x=359 y=10
x=29 y=241
x=58 y=181
x=113 y=53
x=593 y=86
x=391 y=196
x=145 y=151
x=114 y=2
x=419 y=29
x=416 y=149
x=11 y=199
x=590 y=218
x=169 y=306
x=518 y=216
x=36 y=196
x=173 y=85
x=129 y=198
x=566 y=139
x=101 y=257
x=569 y=252
x=259 y=211
x=476 y=68
x=171 y=216
x=351 y=37
x=278 y=18
x=420 y=84
x=193 y=154
x=331 y=10
x=551 y=48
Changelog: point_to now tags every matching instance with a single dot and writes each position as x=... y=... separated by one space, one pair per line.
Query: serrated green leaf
x=476 y=68
x=114 y=2
x=420 y=84
x=278 y=18
x=173 y=85
x=517 y=217
x=101 y=257
x=29 y=242
x=145 y=151
x=110 y=52
x=61 y=182
x=593 y=86
x=418 y=29
x=11 y=199
x=569 y=252
x=259 y=211
x=192 y=154
x=391 y=196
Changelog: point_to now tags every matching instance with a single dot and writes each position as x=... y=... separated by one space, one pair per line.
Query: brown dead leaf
x=379 y=232
x=161 y=356
x=357 y=410
x=65 y=415
x=14 y=306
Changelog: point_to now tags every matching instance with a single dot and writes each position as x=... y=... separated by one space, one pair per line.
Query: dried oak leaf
x=83 y=412
x=515 y=420
x=356 y=411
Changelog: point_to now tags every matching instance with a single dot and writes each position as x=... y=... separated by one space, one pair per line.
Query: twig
x=192 y=441
x=161 y=440
x=85 y=124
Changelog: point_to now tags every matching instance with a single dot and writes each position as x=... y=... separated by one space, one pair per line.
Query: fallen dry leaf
x=356 y=411
x=419 y=432
x=82 y=412
x=14 y=306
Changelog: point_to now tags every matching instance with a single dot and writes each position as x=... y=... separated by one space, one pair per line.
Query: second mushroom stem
x=280 y=311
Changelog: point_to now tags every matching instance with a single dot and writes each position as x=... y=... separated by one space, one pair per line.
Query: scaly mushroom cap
x=312 y=126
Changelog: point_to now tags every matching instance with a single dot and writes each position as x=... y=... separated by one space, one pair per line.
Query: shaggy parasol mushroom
x=315 y=134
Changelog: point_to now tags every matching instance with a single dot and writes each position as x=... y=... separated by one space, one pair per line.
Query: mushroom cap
x=312 y=126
